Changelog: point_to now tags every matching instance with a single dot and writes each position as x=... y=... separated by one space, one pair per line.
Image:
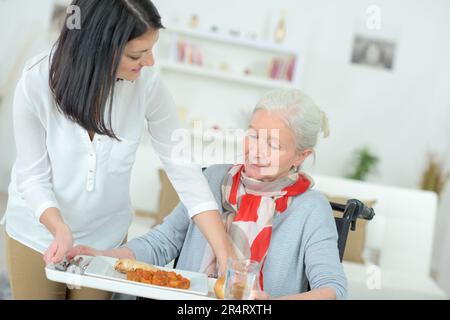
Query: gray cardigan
x=303 y=245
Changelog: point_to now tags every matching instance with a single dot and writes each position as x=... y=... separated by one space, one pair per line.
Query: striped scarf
x=249 y=208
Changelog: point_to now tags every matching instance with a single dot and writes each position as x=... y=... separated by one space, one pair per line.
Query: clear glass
x=240 y=279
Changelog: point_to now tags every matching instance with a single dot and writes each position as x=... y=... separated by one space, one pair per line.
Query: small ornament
x=280 y=32
x=224 y=67
x=235 y=32
x=194 y=21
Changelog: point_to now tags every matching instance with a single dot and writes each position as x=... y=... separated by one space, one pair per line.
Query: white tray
x=100 y=274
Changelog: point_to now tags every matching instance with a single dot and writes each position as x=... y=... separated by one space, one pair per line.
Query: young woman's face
x=270 y=147
x=137 y=55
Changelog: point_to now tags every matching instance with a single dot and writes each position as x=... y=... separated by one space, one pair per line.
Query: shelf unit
x=225 y=76
x=235 y=41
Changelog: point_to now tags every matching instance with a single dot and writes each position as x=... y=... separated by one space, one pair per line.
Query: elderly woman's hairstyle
x=299 y=112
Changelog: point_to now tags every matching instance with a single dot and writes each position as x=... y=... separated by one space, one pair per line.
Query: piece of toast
x=127 y=265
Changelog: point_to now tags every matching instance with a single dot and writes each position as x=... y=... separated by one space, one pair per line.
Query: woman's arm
x=159 y=246
x=33 y=170
x=32 y=167
x=323 y=267
x=186 y=177
x=119 y=253
x=211 y=225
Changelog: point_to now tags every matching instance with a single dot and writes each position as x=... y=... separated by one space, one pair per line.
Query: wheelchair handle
x=353 y=210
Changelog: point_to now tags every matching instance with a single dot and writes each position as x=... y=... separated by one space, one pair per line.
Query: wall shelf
x=282 y=63
x=225 y=76
x=233 y=40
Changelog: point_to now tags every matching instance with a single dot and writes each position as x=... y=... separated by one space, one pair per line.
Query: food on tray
x=159 y=278
x=144 y=273
x=219 y=288
x=126 y=265
x=237 y=289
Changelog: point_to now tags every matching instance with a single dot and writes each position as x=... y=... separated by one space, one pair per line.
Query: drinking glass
x=240 y=279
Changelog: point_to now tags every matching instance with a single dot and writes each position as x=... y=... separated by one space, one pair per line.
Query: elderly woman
x=268 y=206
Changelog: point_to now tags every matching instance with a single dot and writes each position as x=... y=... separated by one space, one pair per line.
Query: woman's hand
x=63 y=241
x=83 y=251
x=61 y=244
x=259 y=295
x=211 y=225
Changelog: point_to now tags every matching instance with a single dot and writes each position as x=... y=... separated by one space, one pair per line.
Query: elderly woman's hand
x=259 y=295
x=119 y=253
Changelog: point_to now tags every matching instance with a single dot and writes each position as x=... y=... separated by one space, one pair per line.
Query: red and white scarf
x=250 y=206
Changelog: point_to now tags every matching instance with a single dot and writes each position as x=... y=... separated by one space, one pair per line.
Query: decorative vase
x=280 y=32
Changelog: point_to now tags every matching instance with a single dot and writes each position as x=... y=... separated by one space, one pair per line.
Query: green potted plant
x=364 y=163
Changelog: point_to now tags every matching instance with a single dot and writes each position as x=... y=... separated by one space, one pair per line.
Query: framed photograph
x=373 y=52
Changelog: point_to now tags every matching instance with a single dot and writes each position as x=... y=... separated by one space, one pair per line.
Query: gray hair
x=299 y=112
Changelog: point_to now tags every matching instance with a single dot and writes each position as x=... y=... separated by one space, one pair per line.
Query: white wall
x=23 y=30
x=400 y=114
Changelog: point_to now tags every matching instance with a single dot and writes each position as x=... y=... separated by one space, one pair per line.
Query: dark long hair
x=85 y=61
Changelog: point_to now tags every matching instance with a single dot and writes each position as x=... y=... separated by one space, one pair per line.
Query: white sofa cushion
x=368 y=282
x=403 y=227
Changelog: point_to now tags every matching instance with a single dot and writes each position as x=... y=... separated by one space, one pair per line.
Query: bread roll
x=219 y=288
x=127 y=265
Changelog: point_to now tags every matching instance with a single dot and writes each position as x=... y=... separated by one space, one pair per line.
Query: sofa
x=398 y=242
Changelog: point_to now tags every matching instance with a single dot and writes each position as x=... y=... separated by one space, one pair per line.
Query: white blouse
x=57 y=164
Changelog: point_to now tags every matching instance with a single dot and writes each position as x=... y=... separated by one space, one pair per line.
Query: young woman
x=79 y=112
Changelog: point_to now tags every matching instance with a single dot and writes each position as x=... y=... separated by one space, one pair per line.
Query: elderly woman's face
x=270 y=147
